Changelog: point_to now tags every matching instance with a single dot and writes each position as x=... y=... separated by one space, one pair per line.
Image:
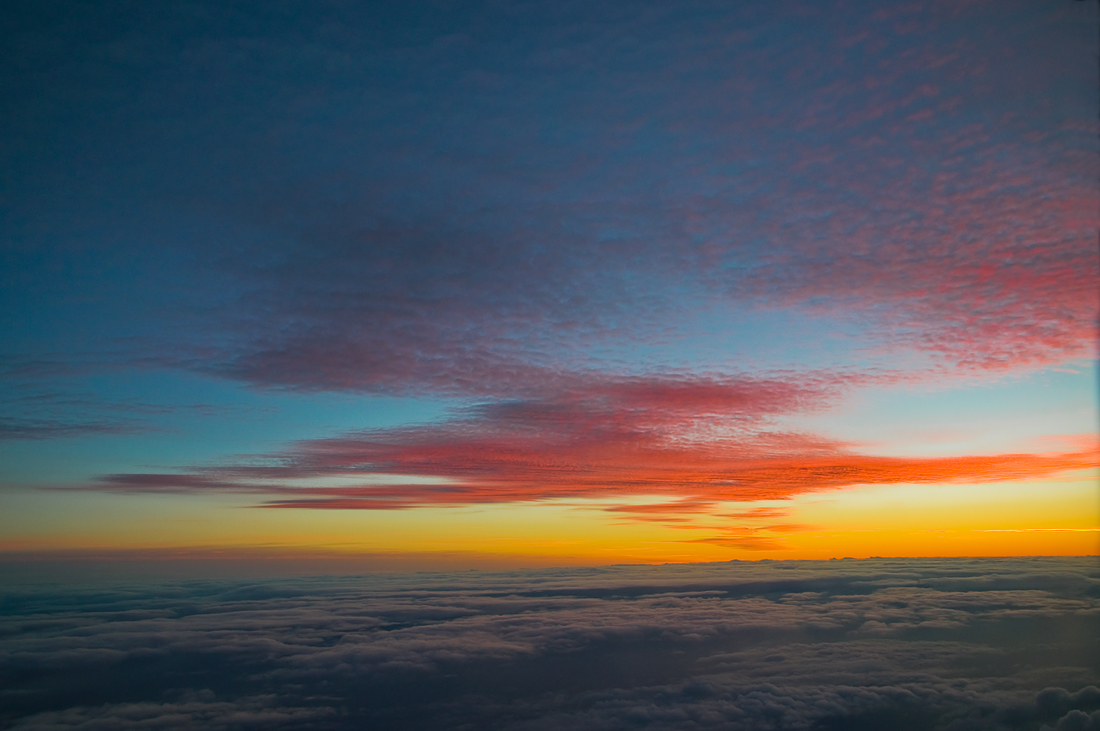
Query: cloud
x=744 y=645
x=35 y=413
x=203 y=712
x=963 y=239
x=698 y=441
x=465 y=202
x=20 y=429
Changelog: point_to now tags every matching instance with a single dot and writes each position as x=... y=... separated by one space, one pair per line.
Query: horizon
x=504 y=365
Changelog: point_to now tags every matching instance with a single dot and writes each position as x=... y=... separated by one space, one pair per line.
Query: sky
x=500 y=285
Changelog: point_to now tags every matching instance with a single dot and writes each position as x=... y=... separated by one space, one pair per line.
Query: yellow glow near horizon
x=1051 y=517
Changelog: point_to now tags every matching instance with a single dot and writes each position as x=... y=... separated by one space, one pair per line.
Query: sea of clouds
x=849 y=644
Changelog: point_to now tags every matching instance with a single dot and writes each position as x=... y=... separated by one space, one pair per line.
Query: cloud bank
x=698 y=440
x=468 y=201
x=623 y=242
x=914 y=644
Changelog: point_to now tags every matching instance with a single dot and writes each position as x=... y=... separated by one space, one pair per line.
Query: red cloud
x=698 y=442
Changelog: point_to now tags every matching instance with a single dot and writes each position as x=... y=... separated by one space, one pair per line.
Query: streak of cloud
x=696 y=442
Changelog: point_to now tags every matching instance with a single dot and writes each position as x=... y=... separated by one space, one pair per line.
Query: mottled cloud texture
x=541 y=213
x=623 y=249
x=464 y=199
x=701 y=442
x=977 y=644
x=698 y=440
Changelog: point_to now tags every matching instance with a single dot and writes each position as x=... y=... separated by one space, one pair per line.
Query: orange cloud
x=699 y=442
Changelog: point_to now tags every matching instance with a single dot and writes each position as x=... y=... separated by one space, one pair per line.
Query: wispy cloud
x=697 y=441
x=34 y=429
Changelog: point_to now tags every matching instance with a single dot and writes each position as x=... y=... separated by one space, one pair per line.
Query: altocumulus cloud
x=880 y=643
x=462 y=200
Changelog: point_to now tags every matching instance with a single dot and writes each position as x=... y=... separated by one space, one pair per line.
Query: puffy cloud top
x=923 y=644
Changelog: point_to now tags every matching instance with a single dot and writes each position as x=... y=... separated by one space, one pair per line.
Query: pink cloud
x=697 y=442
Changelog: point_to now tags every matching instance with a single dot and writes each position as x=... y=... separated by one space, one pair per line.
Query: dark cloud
x=470 y=200
x=201 y=710
x=51 y=429
x=744 y=645
x=31 y=412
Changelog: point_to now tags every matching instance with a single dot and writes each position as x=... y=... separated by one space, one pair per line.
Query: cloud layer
x=922 y=644
x=698 y=440
x=468 y=201
x=622 y=241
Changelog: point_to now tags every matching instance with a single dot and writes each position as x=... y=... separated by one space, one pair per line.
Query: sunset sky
x=503 y=284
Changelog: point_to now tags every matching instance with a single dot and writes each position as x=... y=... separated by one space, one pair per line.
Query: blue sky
x=675 y=246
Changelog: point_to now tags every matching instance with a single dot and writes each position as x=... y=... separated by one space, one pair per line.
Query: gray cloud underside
x=959 y=644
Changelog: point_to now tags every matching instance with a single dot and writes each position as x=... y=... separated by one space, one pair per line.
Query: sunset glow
x=631 y=284
x=543 y=365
